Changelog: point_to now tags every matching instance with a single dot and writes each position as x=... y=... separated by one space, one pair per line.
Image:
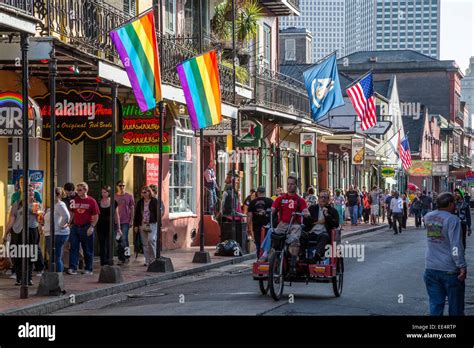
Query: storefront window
x=183 y=174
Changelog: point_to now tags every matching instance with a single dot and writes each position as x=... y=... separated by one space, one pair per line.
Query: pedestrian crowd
x=79 y=219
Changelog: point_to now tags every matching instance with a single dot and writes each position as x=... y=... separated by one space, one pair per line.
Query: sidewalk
x=86 y=288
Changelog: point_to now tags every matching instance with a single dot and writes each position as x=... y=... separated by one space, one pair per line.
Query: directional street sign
x=379 y=129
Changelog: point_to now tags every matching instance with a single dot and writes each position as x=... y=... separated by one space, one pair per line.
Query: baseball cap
x=261 y=189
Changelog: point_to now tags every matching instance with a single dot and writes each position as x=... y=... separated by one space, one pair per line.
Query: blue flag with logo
x=324 y=89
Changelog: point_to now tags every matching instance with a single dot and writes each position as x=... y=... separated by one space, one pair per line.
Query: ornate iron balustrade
x=85 y=24
x=281 y=92
x=173 y=54
x=25 y=6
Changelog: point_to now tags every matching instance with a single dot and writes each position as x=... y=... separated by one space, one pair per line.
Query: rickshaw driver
x=286 y=205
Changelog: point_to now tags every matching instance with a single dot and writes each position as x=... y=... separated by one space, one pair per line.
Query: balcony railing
x=85 y=24
x=25 y=6
x=281 y=92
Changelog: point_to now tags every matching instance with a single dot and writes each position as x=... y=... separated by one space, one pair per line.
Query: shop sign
x=219 y=130
x=440 y=169
x=308 y=144
x=133 y=149
x=140 y=129
x=36 y=179
x=358 y=150
x=250 y=133
x=387 y=172
x=152 y=171
x=11 y=116
x=470 y=176
x=79 y=114
x=420 y=168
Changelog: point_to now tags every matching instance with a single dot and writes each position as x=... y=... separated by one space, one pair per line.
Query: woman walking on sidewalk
x=103 y=225
x=145 y=222
x=339 y=205
x=61 y=228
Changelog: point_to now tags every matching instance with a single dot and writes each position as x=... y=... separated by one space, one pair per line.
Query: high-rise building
x=467 y=91
x=325 y=20
x=408 y=24
x=393 y=24
x=360 y=25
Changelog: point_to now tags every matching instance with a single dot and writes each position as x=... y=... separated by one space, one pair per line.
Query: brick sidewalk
x=134 y=275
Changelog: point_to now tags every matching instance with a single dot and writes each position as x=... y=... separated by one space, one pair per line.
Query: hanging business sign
x=308 y=143
x=11 y=116
x=141 y=130
x=251 y=132
x=358 y=150
x=440 y=169
x=420 y=168
x=219 y=130
x=387 y=172
x=79 y=114
x=380 y=128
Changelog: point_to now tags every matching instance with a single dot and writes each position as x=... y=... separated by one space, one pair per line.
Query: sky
x=457 y=31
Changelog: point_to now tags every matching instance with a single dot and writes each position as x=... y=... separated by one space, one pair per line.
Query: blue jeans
x=440 y=284
x=354 y=212
x=125 y=228
x=59 y=241
x=78 y=237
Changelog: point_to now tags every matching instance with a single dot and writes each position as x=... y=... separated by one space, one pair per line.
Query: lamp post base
x=202 y=257
x=110 y=274
x=162 y=264
x=51 y=284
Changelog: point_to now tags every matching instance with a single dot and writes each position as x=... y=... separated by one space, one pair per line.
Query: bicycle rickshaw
x=273 y=274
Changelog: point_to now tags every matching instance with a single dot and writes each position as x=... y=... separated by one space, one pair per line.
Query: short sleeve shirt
x=289 y=204
x=84 y=209
x=258 y=208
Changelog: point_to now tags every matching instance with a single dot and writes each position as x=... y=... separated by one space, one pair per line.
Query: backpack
x=228 y=248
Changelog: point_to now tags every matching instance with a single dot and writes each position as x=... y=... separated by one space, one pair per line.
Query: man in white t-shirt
x=396 y=207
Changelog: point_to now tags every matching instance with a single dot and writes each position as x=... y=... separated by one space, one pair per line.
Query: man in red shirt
x=286 y=205
x=85 y=213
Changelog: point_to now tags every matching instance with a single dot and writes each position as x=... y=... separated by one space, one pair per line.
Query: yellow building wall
x=77 y=163
x=3 y=183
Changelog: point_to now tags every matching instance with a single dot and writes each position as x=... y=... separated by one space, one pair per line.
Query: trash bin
x=240 y=235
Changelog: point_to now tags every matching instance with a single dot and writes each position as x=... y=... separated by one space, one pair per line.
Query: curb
x=370 y=229
x=55 y=304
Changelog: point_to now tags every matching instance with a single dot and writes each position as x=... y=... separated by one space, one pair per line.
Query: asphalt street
x=388 y=281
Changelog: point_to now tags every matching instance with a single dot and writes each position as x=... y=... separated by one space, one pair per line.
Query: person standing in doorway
x=85 y=214
x=445 y=271
x=210 y=183
x=126 y=210
x=396 y=207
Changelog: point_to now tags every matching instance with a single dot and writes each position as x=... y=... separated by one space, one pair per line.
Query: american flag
x=404 y=152
x=363 y=99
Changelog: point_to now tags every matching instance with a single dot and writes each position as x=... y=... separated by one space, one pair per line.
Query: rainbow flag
x=137 y=48
x=199 y=78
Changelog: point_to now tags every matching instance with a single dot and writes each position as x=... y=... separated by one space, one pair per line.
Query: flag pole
x=321 y=60
x=359 y=79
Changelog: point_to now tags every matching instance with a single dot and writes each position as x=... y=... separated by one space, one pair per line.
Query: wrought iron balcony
x=282 y=7
x=85 y=24
x=281 y=92
x=25 y=6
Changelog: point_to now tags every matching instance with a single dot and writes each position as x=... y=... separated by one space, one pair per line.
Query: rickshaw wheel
x=275 y=275
x=337 y=281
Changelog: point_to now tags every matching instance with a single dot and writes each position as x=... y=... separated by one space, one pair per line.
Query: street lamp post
x=25 y=262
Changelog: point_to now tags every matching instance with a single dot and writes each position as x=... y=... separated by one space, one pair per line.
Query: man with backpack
x=285 y=205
